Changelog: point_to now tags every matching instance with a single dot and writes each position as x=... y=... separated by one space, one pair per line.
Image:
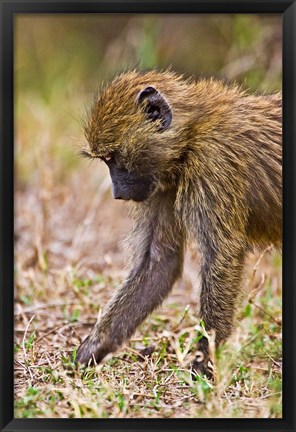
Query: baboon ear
x=155 y=107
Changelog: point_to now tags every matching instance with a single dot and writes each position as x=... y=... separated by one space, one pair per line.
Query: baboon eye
x=109 y=159
x=155 y=106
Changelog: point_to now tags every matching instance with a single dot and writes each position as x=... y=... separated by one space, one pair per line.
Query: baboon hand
x=91 y=351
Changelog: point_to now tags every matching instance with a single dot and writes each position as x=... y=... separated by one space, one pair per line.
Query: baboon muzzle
x=129 y=186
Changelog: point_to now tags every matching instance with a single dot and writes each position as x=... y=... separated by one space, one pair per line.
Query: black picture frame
x=8 y=8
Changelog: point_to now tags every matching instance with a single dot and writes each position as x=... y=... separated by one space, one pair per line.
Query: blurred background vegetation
x=60 y=60
x=68 y=259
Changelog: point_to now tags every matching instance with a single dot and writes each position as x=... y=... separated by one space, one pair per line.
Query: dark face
x=127 y=185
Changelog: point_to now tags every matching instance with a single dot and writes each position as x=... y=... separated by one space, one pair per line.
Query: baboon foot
x=203 y=366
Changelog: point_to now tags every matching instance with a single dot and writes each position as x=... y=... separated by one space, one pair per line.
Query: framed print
x=147 y=217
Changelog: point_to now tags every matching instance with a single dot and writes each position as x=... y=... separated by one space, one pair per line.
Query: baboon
x=198 y=159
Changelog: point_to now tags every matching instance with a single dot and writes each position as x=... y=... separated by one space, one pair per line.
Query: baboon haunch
x=198 y=160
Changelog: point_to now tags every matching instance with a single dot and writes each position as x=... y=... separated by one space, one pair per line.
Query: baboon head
x=131 y=127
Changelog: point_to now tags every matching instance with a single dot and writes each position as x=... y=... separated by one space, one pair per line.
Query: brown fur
x=219 y=174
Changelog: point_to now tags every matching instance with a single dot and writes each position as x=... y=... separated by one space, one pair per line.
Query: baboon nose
x=116 y=192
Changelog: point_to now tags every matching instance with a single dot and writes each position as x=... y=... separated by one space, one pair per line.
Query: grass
x=55 y=309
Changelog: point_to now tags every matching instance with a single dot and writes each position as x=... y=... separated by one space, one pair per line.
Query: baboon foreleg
x=158 y=263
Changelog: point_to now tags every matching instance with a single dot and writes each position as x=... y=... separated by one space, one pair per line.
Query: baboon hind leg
x=221 y=285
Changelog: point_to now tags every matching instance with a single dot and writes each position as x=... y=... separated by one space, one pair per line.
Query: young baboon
x=199 y=160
